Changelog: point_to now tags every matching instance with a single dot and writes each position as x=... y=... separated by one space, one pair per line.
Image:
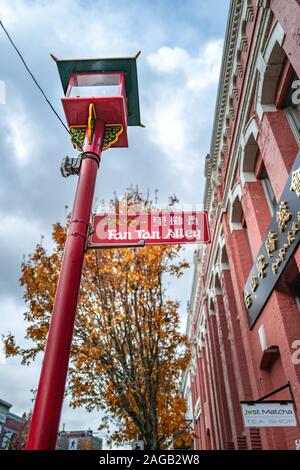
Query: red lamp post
x=101 y=100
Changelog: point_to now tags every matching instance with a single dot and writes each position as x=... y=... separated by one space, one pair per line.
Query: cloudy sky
x=181 y=44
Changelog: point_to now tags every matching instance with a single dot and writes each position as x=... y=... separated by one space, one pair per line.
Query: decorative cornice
x=239 y=71
x=231 y=113
x=229 y=52
x=235 y=151
x=263 y=3
x=234 y=45
x=249 y=13
x=243 y=44
x=235 y=93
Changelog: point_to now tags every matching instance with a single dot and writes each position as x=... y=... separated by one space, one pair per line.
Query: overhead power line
x=33 y=77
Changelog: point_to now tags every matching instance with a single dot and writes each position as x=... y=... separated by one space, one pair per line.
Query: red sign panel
x=153 y=228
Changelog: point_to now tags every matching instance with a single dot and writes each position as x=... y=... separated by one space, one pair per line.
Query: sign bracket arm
x=139 y=244
x=263 y=398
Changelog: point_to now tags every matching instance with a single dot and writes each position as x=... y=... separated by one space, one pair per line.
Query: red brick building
x=244 y=312
x=78 y=440
x=10 y=425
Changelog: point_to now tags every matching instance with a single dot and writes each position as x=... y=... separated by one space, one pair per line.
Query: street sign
x=153 y=228
x=280 y=242
x=269 y=414
x=73 y=444
x=138 y=445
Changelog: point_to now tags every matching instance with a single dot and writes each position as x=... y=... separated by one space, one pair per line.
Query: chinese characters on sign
x=291 y=237
x=283 y=215
x=271 y=243
x=261 y=265
x=278 y=245
x=152 y=228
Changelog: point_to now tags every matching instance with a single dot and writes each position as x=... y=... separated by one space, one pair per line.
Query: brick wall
x=229 y=365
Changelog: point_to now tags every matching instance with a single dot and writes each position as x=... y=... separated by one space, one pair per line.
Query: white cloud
x=21 y=132
x=172 y=122
x=73 y=28
x=169 y=127
x=181 y=107
x=167 y=59
x=18 y=234
x=2 y=357
x=11 y=316
x=8 y=13
x=19 y=138
x=199 y=72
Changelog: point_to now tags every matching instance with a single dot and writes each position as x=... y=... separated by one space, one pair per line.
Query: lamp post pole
x=50 y=394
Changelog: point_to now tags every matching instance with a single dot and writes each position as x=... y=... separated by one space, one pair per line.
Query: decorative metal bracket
x=274 y=392
x=111 y=134
x=77 y=134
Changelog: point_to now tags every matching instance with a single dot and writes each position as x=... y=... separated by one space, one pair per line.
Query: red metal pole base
x=50 y=394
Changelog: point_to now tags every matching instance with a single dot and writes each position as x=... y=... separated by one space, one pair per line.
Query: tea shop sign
x=279 y=243
x=269 y=414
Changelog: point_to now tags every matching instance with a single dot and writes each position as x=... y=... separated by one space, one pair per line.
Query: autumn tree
x=128 y=354
x=87 y=443
x=18 y=441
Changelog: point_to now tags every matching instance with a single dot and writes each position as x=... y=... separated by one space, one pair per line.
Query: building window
x=271 y=199
x=295 y=111
x=292 y=106
x=295 y=288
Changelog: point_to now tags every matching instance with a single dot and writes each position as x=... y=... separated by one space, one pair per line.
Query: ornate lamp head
x=106 y=89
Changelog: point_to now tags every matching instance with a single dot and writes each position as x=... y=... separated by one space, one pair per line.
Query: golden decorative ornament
x=271 y=243
x=261 y=265
x=283 y=215
x=254 y=283
x=248 y=299
x=295 y=185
